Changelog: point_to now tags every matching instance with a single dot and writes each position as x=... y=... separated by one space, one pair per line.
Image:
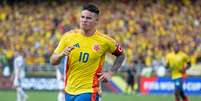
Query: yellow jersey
x=85 y=61
x=177 y=62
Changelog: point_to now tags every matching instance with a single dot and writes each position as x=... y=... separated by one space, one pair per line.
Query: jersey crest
x=96 y=48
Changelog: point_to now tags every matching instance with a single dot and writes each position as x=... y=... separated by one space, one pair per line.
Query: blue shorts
x=82 y=97
x=178 y=84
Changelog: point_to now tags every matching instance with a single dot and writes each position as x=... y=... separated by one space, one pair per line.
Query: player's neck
x=89 y=33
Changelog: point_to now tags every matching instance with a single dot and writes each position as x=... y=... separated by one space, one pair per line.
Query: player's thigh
x=87 y=97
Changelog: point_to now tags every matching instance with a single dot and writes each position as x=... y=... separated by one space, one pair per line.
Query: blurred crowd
x=145 y=28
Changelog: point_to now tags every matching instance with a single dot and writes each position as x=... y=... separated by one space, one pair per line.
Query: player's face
x=88 y=20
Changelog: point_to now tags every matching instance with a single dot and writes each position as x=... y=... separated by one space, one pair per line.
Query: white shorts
x=17 y=82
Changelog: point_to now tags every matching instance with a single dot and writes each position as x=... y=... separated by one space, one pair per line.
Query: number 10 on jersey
x=84 y=57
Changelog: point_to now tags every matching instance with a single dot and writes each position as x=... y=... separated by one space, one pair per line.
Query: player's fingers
x=66 y=52
x=99 y=74
x=105 y=80
x=70 y=48
x=73 y=47
x=101 y=78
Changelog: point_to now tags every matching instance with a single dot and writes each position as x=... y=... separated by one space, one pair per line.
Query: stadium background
x=146 y=28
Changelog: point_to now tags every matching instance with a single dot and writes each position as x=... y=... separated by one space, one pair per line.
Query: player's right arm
x=187 y=63
x=116 y=50
x=56 y=58
x=61 y=51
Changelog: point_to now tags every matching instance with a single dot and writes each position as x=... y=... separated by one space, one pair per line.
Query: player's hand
x=104 y=76
x=183 y=71
x=67 y=50
x=100 y=92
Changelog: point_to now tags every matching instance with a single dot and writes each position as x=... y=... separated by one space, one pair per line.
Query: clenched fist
x=67 y=50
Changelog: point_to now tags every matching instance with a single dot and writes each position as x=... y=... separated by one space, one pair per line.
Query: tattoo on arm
x=118 y=62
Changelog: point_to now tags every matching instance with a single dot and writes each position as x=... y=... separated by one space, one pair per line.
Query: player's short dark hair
x=91 y=8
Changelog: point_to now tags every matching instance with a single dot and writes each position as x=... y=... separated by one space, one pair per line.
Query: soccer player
x=60 y=72
x=178 y=62
x=85 y=49
x=19 y=74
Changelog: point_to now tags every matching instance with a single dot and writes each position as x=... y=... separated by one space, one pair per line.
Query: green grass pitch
x=9 y=95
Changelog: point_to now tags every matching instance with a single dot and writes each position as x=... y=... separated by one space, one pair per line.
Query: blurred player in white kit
x=60 y=72
x=18 y=75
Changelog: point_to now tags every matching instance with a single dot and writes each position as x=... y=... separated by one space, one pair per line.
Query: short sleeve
x=111 y=45
x=62 y=44
x=114 y=47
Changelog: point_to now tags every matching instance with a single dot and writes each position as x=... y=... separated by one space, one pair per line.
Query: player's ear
x=97 y=18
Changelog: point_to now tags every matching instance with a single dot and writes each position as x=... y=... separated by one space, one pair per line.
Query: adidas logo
x=77 y=45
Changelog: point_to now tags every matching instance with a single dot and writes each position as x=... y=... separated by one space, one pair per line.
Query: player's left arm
x=187 y=63
x=119 y=58
x=104 y=76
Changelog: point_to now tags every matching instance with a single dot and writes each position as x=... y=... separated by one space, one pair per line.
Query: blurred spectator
x=130 y=79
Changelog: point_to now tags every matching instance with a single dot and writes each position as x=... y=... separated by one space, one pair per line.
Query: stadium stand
x=145 y=28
